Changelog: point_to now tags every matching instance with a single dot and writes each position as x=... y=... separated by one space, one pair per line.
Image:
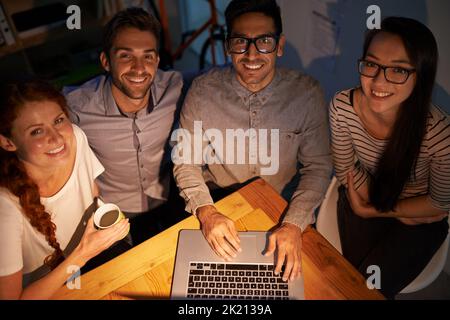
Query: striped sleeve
x=438 y=140
x=342 y=143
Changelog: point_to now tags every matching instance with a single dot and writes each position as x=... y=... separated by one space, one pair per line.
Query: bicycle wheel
x=219 y=49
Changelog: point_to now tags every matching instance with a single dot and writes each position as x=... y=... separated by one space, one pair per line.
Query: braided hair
x=13 y=175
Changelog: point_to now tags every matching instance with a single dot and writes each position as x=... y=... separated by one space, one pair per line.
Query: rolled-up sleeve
x=316 y=164
x=188 y=175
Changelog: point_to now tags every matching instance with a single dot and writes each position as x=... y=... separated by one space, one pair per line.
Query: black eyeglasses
x=264 y=44
x=396 y=75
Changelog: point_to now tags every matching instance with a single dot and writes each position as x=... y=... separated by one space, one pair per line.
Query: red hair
x=13 y=175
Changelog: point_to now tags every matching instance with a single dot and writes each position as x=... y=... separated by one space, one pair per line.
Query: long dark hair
x=13 y=175
x=398 y=161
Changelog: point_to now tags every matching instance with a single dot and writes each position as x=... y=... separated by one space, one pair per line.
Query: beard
x=130 y=91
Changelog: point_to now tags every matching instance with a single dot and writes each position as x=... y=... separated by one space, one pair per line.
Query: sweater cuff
x=299 y=219
x=201 y=199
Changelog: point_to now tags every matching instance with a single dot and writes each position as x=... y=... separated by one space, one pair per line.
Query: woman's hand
x=95 y=241
x=92 y=243
x=417 y=221
x=360 y=206
x=411 y=211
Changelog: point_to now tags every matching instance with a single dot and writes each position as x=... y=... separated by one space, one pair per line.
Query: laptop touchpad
x=249 y=246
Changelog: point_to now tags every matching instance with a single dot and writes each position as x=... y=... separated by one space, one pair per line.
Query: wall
x=194 y=13
x=351 y=17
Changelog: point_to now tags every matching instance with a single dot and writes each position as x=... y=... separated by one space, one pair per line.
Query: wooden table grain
x=145 y=272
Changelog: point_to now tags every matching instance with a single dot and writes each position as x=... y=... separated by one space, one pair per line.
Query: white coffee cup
x=107 y=215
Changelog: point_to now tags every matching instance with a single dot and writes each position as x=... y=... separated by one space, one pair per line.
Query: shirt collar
x=158 y=88
x=111 y=108
x=263 y=96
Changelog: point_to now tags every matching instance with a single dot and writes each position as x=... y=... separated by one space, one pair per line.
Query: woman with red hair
x=47 y=193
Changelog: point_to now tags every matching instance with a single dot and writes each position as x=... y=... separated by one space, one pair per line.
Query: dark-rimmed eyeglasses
x=396 y=75
x=264 y=44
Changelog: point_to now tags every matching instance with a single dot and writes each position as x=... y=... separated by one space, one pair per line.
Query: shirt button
x=289 y=136
x=254 y=113
x=143 y=179
x=138 y=131
x=142 y=166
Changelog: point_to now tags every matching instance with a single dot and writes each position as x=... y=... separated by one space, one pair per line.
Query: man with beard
x=253 y=95
x=127 y=116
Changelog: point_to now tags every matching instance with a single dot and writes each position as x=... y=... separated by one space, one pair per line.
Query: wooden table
x=145 y=272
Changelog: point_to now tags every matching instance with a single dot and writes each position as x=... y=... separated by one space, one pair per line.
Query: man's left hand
x=287 y=239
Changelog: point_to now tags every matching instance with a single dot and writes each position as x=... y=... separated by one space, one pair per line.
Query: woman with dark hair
x=47 y=173
x=391 y=151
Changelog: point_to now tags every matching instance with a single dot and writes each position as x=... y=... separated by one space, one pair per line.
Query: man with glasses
x=254 y=101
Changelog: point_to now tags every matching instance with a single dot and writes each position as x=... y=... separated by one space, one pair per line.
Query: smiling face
x=255 y=70
x=133 y=62
x=381 y=96
x=42 y=136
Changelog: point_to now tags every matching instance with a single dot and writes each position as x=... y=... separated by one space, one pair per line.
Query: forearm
x=315 y=174
x=363 y=190
x=308 y=196
x=416 y=207
x=298 y=214
x=188 y=171
x=361 y=178
x=192 y=186
x=47 y=286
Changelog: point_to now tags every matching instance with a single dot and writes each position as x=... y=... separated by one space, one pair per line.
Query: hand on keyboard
x=235 y=281
x=219 y=231
x=287 y=240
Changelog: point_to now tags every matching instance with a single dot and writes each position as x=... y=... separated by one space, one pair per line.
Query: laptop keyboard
x=235 y=281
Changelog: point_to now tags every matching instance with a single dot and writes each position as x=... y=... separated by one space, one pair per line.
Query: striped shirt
x=355 y=149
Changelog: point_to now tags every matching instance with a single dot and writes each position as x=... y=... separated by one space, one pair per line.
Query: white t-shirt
x=22 y=246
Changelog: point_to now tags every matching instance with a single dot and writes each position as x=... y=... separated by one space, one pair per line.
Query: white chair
x=327 y=225
x=326 y=222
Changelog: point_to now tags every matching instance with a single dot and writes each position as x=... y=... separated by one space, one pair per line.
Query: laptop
x=200 y=274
